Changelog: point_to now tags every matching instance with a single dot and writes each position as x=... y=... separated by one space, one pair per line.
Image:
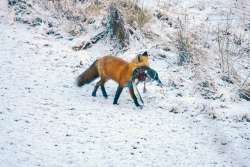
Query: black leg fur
x=100 y=83
x=132 y=93
x=117 y=94
x=104 y=93
x=95 y=90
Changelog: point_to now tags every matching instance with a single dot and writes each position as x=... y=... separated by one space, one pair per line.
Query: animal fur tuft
x=88 y=76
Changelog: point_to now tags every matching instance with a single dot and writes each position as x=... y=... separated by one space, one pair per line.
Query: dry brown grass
x=132 y=10
x=95 y=8
x=135 y=16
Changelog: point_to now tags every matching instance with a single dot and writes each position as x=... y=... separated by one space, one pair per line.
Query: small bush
x=183 y=43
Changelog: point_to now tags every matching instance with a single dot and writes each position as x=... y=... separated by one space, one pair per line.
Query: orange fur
x=117 y=69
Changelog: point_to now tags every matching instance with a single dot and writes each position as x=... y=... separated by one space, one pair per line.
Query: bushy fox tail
x=88 y=76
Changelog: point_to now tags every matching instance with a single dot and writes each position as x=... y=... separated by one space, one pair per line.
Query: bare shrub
x=183 y=42
x=234 y=55
x=223 y=41
x=231 y=47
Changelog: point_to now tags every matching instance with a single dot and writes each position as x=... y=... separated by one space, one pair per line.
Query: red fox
x=114 y=68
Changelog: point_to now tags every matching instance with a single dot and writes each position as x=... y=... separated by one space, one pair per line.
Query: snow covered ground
x=45 y=120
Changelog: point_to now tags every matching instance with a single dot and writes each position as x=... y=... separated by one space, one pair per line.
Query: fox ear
x=145 y=53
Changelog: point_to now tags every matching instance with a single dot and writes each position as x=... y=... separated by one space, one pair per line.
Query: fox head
x=142 y=59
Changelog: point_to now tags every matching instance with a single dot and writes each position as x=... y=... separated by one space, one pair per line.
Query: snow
x=45 y=120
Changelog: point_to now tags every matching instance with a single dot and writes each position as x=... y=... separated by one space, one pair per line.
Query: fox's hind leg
x=104 y=93
x=100 y=83
x=96 y=88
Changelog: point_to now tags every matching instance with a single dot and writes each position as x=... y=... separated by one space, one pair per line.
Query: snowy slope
x=45 y=120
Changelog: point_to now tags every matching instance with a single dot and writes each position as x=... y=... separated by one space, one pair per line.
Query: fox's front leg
x=117 y=94
x=132 y=93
